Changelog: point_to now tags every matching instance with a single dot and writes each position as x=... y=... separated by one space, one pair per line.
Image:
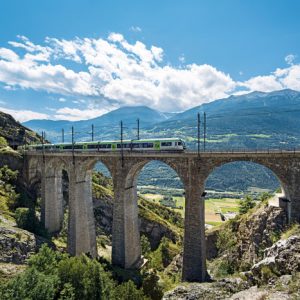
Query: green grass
x=212 y=206
x=294 y=229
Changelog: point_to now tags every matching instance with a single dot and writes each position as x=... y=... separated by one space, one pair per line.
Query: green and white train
x=160 y=144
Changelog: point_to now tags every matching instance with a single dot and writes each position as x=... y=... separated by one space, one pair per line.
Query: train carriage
x=163 y=144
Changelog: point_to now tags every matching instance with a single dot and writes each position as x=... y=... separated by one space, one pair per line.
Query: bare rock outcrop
x=280 y=259
x=16 y=245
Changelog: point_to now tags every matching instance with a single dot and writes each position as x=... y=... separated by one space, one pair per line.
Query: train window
x=68 y=147
x=77 y=146
x=104 y=146
x=150 y=145
x=93 y=146
x=179 y=143
x=165 y=144
x=38 y=148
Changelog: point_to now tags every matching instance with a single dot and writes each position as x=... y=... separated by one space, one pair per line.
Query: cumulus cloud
x=116 y=72
x=74 y=114
x=24 y=115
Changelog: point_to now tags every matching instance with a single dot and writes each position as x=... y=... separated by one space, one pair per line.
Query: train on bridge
x=160 y=144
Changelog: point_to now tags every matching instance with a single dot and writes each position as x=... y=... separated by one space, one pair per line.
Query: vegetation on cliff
x=15 y=133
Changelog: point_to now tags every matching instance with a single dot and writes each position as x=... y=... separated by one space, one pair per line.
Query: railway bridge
x=193 y=169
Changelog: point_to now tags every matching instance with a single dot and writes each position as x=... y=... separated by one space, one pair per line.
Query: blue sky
x=79 y=59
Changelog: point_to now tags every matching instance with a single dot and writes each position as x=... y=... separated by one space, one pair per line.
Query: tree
x=265 y=196
x=31 y=284
x=127 y=291
x=151 y=285
x=246 y=204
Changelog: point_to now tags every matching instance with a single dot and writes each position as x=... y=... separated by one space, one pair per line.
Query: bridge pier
x=126 y=247
x=194 y=251
x=52 y=199
x=294 y=198
x=81 y=232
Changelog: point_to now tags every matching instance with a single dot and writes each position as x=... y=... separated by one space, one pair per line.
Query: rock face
x=281 y=258
x=155 y=232
x=16 y=245
x=257 y=232
x=103 y=210
x=253 y=233
x=15 y=133
x=218 y=290
x=14 y=162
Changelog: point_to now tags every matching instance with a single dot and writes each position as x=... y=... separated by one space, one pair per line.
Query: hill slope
x=15 y=133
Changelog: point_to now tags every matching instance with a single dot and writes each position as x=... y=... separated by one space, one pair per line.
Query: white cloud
x=263 y=83
x=288 y=78
x=117 y=72
x=74 y=114
x=135 y=28
x=24 y=115
x=8 y=54
x=290 y=59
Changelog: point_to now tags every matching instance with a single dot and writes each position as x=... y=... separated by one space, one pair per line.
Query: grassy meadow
x=212 y=206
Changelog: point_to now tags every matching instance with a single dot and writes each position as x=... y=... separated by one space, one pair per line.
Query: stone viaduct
x=193 y=169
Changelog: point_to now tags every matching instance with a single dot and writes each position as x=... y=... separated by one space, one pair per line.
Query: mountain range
x=252 y=121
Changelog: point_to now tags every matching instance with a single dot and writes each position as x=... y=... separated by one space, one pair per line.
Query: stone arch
x=271 y=165
x=91 y=163
x=135 y=170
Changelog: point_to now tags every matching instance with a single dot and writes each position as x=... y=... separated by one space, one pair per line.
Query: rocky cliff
x=15 y=133
x=257 y=256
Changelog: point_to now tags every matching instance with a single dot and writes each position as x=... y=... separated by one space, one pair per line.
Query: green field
x=212 y=206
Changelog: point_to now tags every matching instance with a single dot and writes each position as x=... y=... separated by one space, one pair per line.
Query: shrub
x=145 y=244
x=67 y=293
x=26 y=219
x=127 y=291
x=82 y=275
x=46 y=260
x=31 y=284
x=246 y=204
x=264 y=197
x=226 y=240
x=53 y=275
x=3 y=142
x=151 y=285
